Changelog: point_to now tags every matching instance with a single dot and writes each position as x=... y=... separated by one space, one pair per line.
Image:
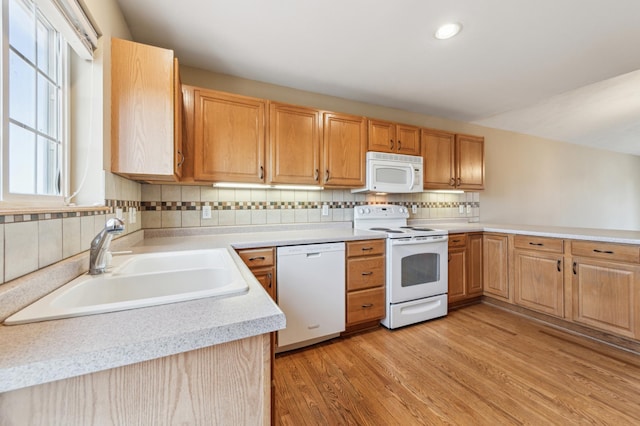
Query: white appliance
x=416 y=267
x=392 y=173
x=311 y=293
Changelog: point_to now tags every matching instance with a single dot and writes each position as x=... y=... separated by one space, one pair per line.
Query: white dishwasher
x=311 y=293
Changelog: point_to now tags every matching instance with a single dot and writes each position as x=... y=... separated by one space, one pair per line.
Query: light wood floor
x=477 y=366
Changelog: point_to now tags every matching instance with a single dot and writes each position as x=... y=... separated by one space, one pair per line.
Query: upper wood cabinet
x=385 y=136
x=229 y=137
x=452 y=161
x=344 y=149
x=295 y=136
x=146 y=112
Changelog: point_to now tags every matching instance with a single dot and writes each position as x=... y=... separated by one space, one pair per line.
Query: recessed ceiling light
x=447 y=31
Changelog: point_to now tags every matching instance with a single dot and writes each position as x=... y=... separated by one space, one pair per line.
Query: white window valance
x=71 y=20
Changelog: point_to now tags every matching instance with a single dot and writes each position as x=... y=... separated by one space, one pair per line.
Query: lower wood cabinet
x=539 y=274
x=495 y=274
x=365 y=282
x=606 y=287
x=465 y=268
x=262 y=262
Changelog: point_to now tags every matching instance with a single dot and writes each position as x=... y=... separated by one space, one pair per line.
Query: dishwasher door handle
x=316 y=254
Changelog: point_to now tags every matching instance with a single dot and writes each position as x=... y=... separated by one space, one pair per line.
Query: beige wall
x=529 y=180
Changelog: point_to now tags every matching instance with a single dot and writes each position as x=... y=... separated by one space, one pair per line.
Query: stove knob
x=361 y=211
x=403 y=210
x=367 y=210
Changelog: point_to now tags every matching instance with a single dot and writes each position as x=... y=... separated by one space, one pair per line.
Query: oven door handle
x=406 y=242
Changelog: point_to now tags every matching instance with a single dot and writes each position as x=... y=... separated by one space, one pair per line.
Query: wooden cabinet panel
x=365 y=305
x=229 y=139
x=295 y=134
x=474 y=265
x=608 y=251
x=267 y=278
x=495 y=272
x=457 y=240
x=527 y=242
x=366 y=279
x=408 y=139
x=344 y=150
x=365 y=272
x=365 y=248
x=146 y=108
x=539 y=281
x=605 y=295
x=457 y=274
x=469 y=162
x=385 y=136
x=452 y=161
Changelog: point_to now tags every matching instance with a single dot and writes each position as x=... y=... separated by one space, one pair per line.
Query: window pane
x=21 y=29
x=47 y=107
x=47 y=51
x=22 y=91
x=22 y=154
x=48 y=167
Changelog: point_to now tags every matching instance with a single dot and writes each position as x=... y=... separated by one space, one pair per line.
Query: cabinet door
x=495 y=272
x=229 y=137
x=408 y=139
x=474 y=265
x=605 y=295
x=143 y=118
x=438 y=149
x=345 y=143
x=469 y=162
x=267 y=277
x=381 y=136
x=539 y=281
x=457 y=274
x=294 y=144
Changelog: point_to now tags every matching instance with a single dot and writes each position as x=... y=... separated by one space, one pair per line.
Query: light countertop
x=36 y=353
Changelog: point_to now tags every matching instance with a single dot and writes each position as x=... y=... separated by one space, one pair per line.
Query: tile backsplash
x=171 y=206
x=29 y=242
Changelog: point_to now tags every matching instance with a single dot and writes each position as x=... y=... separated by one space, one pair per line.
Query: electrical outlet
x=461 y=209
x=414 y=209
x=325 y=210
x=206 y=212
x=133 y=215
x=468 y=209
x=119 y=213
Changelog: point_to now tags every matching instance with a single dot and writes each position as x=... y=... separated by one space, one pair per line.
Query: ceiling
x=565 y=70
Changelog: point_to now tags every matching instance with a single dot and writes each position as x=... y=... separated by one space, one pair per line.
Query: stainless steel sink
x=139 y=281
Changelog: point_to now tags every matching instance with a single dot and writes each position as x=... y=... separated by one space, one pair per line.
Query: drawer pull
x=367 y=273
x=367 y=305
x=536 y=244
x=456 y=241
x=367 y=248
x=270 y=277
x=251 y=259
x=603 y=251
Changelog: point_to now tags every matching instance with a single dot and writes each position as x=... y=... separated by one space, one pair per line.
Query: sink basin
x=139 y=281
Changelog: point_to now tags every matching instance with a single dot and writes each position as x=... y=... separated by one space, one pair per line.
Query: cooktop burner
x=390 y=219
x=417 y=228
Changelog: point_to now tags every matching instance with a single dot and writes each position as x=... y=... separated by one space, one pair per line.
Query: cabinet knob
x=452 y=182
x=181 y=162
x=458 y=181
x=367 y=273
x=390 y=143
x=535 y=244
x=559 y=265
x=399 y=145
x=261 y=172
x=367 y=305
x=252 y=259
x=575 y=265
x=603 y=251
x=326 y=175
x=317 y=175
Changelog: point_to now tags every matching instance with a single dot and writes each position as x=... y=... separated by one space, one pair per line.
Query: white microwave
x=392 y=173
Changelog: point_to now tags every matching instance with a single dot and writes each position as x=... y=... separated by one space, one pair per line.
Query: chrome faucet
x=100 y=245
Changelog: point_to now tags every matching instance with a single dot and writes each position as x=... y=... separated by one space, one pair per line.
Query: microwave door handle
x=413 y=177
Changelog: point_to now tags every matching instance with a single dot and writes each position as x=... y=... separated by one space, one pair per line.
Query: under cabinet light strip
x=264 y=186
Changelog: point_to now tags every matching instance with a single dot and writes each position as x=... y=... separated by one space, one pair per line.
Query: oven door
x=416 y=268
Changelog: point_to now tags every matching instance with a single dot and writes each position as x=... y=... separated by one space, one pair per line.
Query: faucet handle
x=114 y=225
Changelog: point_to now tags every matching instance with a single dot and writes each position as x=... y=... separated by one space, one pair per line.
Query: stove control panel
x=381 y=211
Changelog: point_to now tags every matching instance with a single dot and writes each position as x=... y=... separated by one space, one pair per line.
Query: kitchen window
x=35 y=84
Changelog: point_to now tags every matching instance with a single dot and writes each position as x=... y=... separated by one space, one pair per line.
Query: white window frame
x=77 y=32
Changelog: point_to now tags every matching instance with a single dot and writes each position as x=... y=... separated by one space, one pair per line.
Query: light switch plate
x=119 y=213
x=468 y=209
x=206 y=212
x=133 y=215
x=414 y=209
x=461 y=209
x=325 y=210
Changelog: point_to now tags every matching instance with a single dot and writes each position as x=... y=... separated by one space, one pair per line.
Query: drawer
x=255 y=258
x=365 y=305
x=616 y=252
x=365 y=248
x=527 y=242
x=457 y=240
x=365 y=272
